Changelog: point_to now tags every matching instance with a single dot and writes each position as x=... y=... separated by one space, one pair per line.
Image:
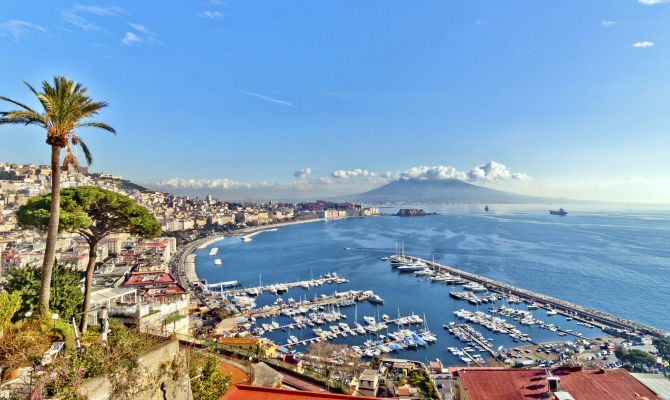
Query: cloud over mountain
x=346 y=174
x=486 y=173
x=339 y=182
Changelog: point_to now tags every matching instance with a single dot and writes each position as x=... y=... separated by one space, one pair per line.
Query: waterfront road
x=185 y=273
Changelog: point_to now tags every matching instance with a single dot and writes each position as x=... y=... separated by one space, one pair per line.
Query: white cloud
x=266 y=98
x=141 y=34
x=113 y=10
x=219 y=183
x=141 y=28
x=652 y=2
x=644 y=44
x=607 y=23
x=438 y=172
x=490 y=172
x=339 y=182
x=494 y=172
x=211 y=14
x=17 y=28
x=73 y=15
x=346 y=174
x=130 y=39
x=303 y=173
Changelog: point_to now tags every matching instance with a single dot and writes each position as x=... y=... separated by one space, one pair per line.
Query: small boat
x=558 y=212
x=217 y=261
x=375 y=299
x=486 y=208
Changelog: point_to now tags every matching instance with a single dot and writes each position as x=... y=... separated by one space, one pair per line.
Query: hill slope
x=440 y=191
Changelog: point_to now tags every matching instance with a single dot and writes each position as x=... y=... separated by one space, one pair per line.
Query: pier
x=274 y=310
x=289 y=285
x=476 y=340
x=598 y=318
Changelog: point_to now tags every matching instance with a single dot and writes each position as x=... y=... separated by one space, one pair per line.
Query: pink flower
x=35 y=395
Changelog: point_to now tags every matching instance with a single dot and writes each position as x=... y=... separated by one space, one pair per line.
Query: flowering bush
x=60 y=378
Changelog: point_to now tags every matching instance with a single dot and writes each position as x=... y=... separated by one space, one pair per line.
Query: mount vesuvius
x=440 y=191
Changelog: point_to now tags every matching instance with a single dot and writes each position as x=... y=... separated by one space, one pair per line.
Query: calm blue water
x=614 y=260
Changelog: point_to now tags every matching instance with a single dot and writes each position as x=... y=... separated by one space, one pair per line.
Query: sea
x=612 y=258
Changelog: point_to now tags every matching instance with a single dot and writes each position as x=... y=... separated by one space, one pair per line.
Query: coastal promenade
x=183 y=270
x=603 y=320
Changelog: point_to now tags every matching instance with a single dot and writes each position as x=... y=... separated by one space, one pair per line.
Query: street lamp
x=54 y=317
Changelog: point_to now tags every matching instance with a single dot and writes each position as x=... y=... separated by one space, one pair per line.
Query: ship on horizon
x=559 y=212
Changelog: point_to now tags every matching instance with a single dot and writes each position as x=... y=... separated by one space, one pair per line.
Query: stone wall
x=161 y=374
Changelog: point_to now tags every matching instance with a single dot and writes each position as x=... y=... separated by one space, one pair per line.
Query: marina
x=289 y=322
x=426 y=288
x=553 y=305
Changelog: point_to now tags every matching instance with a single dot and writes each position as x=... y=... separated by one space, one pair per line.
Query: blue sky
x=235 y=98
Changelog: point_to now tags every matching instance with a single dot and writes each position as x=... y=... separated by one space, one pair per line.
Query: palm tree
x=65 y=105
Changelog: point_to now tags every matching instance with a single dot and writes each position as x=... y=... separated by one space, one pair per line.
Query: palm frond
x=43 y=99
x=87 y=153
x=25 y=107
x=100 y=125
x=21 y=117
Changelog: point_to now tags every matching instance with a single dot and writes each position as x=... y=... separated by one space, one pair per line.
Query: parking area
x=593 y=352
x=443 y=385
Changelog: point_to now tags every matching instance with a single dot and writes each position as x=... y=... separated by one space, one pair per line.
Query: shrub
x=66 y=296
x=208 y=382
x=10 y=303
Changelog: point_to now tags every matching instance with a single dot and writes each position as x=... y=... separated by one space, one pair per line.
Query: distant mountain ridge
x=441 y=191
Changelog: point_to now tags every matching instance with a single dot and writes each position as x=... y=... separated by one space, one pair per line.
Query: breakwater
x=607 y=322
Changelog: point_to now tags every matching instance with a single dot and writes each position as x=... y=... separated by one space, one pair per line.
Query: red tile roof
x=246 y=392
x=169 y=290
x=582 y=384
x=149 y=279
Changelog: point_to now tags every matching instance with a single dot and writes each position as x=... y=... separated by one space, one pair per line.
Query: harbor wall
x=603 y=319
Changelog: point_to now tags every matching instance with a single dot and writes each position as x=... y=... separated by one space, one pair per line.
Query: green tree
x=207 y=382
x=66 y=106
x=65 y=296
x=10 y=303
x=636 y=356
x=662 y=345
x=94 y=213
x=620 y=353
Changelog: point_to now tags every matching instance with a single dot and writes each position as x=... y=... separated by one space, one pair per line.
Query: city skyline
x=254 y=100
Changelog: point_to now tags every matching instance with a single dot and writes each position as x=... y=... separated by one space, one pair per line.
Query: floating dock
x=290 y=285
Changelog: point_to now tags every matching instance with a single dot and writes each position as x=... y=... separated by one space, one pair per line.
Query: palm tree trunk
x=52 y=232
x=92 y=257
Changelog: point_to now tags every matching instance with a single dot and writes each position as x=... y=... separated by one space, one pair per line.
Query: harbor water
x=614 y=260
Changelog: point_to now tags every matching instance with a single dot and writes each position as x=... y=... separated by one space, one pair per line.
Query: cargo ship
x=559 y=212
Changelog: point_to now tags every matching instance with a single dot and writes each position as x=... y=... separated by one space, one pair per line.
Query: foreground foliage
x=27 y=341
x=66 y=295
x=10 y=303
x=66 y=107
x=208 y=383
x=94 y=213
